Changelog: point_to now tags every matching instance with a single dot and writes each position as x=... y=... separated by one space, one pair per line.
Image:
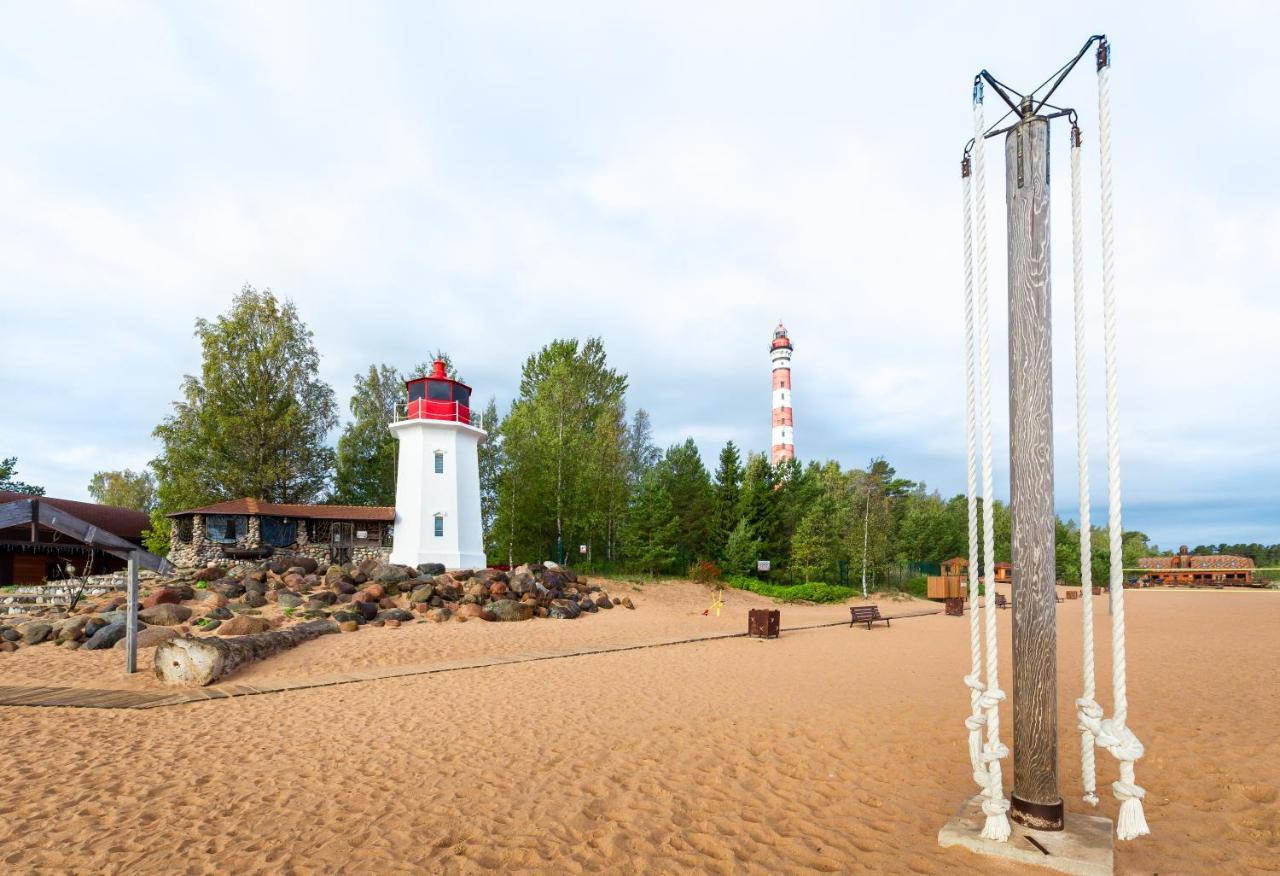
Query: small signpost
x=762 y=565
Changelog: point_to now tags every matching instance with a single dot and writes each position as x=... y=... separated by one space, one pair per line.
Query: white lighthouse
x=438 y=480
x=783 y=445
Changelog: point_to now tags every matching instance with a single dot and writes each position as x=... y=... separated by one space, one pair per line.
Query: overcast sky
x=674 y=178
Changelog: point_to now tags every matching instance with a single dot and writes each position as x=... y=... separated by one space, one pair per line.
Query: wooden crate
x=764 y=623
x=945 y=586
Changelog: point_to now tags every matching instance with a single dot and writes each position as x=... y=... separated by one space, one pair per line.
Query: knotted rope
x=1119 y=739
x=995 y=806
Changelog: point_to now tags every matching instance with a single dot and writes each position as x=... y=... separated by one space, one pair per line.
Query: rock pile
x=229 y=600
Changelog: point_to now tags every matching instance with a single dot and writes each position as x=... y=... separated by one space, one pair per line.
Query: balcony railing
x=447 y=411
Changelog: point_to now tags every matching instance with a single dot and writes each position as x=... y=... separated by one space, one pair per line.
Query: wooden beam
x=68 y=524
x=1036 y=802
x=15 y=513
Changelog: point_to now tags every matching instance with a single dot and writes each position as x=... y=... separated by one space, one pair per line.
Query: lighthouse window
x=461 y=395
x=437 y=390
x=439 y=526
x=439 y=462
x=417 y=391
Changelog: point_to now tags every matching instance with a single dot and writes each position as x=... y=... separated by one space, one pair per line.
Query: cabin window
x=439 y=462
x=278 y=531
x=439 y=526
x=224 y=528
x=437 y=390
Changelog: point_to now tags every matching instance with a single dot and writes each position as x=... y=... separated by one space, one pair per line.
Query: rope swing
x=985 y=694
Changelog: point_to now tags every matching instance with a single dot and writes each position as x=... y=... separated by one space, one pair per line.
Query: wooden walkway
x=98 y=698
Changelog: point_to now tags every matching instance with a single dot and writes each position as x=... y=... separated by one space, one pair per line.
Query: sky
x=671 y=177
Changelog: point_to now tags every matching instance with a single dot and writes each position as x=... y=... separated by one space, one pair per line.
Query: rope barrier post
x=1035 y=800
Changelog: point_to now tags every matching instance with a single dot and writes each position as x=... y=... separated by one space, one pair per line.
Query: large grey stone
x=106 y=637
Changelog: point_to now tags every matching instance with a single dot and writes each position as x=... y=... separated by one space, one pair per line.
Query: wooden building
x=247 y=528
x=34 y=548
x=1193 y=569
x=952 y=583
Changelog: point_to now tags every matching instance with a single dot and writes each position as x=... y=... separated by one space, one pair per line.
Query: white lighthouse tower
x=438 y=480
x=783 y=445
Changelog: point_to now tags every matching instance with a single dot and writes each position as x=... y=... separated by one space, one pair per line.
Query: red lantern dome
x=436 y=396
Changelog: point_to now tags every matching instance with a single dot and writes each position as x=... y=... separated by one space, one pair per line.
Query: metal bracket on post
x=131 y=618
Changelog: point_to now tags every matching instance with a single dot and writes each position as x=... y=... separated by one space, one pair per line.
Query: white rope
x=1088 y=769
x=995 y=806
x=1114 y=734
x=977 y=720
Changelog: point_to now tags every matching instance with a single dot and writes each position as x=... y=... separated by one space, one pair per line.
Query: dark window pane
x=278 y=532
x=462 y=395
x=438 y=390
x=417 y=390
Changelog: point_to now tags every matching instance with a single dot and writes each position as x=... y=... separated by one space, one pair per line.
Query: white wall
x=421 y=495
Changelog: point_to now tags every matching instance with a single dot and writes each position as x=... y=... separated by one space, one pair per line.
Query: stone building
x=1189 y=568
x=243 y=529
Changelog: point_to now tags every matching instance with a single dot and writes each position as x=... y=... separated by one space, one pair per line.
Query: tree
x=758 y=508
x=689 y=486
x=254 y=422
x=10 y=482
x=366 y=458
x=741 y=551
x=817 y=546
x=642 y=453
x=652 y=529
x=725 y=497
x=124 y=489
x=492 y=461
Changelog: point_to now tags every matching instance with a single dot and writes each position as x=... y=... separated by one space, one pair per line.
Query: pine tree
x=687 y=483
x=725 y=498
x=758 y=506
x=9 y=480
x=741 y=551
x=652 y=531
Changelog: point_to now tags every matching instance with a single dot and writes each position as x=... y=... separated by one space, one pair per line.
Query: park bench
x=1002 y=601
x=866 y=614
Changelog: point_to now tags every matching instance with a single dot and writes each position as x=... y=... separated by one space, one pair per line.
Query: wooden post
x=131 y=618
x=1036 y=802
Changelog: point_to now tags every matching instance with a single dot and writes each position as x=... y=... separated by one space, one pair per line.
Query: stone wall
x=200 y=551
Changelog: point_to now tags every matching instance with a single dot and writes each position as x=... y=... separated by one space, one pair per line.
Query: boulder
x=162 y=596
x=243 y=625
x=462 y=574
x=306 y=564
x=9 y=634
x=498 y=589
x=396 y=614
x=344 y=585
x=521 y=583
x=348 y=626
x=257 y=576
x=280 y=565
x=603 y=602
x=369 y=610
x=386 y=573
x=106 y=637
x=344 y=616
x=150 y=637
x=165 y=615
x=288 y=599
x=209 y=573
x=563 y=609
x=35 y=633
x=228 y=587
x=431 y=568
x=588 y=605
x=510 y=610
x=469 y=610
x=219 y=613
x=254 y=599
x=626 y=603
x=293 y=580
x=71 y=644
x=309 y=582
x=7 y=647
x=437 y=615
x=422 y=593
x=491 y=575
x=324 y=597
x=211 y=597
x=554 y=579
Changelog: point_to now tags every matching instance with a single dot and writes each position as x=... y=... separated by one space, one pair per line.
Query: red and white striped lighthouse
x=783 y=446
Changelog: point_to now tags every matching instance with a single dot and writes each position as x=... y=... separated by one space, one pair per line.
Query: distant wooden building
x=953 y=581
x=1194 y=569
x=35 y=547
x=252 y=529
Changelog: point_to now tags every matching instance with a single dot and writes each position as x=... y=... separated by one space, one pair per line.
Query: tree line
x=567 y=472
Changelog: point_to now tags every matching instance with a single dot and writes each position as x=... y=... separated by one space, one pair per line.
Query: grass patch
x=813 y=592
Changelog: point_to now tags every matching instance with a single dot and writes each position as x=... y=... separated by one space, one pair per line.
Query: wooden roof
x=246 y=505
x=1196 y=561
x=123 y=522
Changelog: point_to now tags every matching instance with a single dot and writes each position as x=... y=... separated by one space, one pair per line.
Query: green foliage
x=726 y=495
x=741 y=550
x=9 y=480
x=688 y=485
x=366 y=458
x=254 y=422
x=651 y=535
x=124 y=489
x=704 y=572
x=812 y=592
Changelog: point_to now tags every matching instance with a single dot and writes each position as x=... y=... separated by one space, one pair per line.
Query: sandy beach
x=827 y=750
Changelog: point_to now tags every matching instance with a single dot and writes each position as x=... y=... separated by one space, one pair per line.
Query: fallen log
x=196 y=662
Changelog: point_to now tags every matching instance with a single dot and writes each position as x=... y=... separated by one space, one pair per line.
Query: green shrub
x=813 y=592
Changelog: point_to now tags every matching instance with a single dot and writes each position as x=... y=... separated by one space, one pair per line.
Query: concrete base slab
x=1083 y=848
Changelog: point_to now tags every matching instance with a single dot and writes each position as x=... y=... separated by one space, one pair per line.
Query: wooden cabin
x=32 y=553
x=1004 y=573
x=246 y=528
x=953 y=581
x=1213 y=570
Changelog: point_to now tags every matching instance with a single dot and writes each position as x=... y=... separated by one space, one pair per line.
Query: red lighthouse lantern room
x=436 y=396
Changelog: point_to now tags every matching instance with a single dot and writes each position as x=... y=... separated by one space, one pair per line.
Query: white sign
x=762 y=565
x=362 y=533
x=582 y=548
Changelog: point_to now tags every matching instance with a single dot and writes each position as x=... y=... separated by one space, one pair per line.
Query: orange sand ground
x=827 y=750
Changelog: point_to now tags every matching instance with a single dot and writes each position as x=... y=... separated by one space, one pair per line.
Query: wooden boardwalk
x=99 y=698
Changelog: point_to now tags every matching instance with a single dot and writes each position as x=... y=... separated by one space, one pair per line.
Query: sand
x=828 y=750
